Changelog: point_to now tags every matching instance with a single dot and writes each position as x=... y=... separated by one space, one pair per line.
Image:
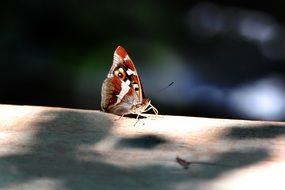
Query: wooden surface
x=55 y=148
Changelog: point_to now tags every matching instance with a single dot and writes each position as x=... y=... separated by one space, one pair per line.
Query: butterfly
x=122 y=90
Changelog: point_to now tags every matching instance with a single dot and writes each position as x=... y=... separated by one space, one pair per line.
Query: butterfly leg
x=151 y=107
x=137 y=119
x=120 y=117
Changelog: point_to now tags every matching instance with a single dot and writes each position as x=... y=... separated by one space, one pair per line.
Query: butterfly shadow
x=148 y=141
x=135 y=116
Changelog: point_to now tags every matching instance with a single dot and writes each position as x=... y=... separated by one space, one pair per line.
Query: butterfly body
x=122 y=91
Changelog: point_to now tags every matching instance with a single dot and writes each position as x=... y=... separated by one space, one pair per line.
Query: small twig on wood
x=185 y=164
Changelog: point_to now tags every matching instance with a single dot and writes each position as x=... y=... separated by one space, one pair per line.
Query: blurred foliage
x=57 y=53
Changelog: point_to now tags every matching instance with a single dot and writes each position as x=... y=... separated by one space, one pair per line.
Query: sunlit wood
x=57 y=148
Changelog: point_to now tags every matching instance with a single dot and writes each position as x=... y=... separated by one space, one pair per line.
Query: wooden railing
x=58 y=148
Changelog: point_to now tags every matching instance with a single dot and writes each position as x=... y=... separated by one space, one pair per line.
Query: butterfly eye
x=120 y=73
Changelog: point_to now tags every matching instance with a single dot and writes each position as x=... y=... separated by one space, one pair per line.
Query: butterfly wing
x=122 y=60
x=122 y=89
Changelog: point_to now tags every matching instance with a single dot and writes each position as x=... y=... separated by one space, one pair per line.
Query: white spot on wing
x=124 y=90
x=130 y=72
x=136 y=86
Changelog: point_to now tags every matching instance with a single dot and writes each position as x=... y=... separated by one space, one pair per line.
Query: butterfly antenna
x=164 y=88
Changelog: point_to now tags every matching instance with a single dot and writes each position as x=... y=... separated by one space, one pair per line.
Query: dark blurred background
x=226 y=58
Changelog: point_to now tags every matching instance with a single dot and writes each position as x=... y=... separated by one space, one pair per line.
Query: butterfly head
x=144 y=107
